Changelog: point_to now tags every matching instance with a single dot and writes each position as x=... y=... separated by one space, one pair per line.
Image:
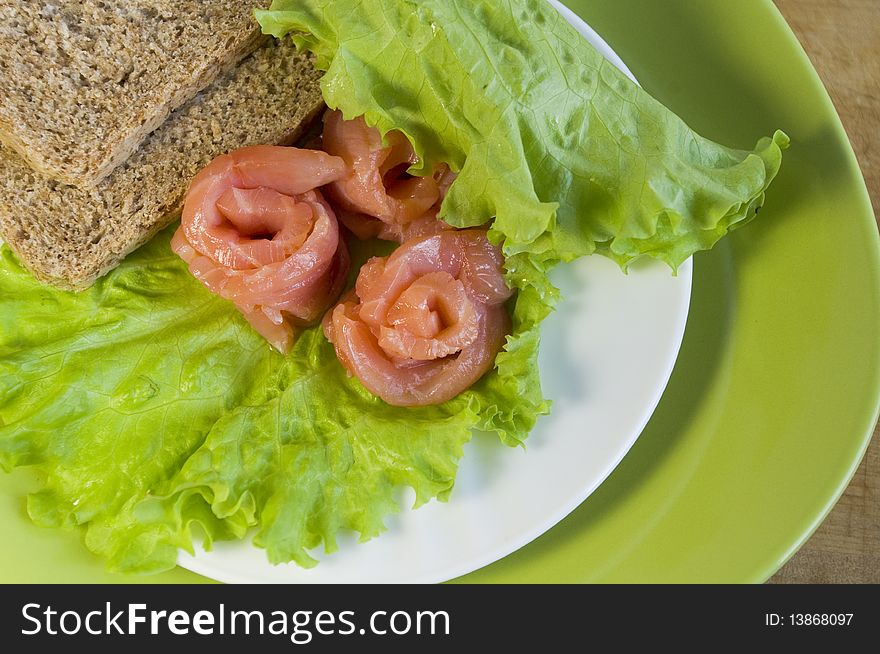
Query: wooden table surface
x=842 y=38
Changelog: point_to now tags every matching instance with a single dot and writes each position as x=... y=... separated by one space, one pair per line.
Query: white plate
x=606 y=356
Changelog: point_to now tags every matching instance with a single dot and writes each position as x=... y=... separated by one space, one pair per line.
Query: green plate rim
x=872 y=230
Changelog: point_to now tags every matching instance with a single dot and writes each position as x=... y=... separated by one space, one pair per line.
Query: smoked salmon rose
x=426 y=322
x=378 y=198
x=255 y=230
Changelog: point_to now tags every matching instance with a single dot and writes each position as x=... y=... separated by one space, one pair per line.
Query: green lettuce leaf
x=149 y=407
x=565 y=152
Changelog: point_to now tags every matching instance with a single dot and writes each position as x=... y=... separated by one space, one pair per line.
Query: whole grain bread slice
x=83 y=83
x=68 y=236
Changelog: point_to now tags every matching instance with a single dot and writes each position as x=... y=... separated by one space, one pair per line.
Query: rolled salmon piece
x=425 y=323
x=256 y=231
x=377 y=198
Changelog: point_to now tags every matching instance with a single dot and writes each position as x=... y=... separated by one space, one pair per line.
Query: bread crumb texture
x=82 y=83
x=69 y=236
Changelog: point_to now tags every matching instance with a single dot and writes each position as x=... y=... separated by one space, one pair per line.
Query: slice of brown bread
x=68 y=236
x=83 y=83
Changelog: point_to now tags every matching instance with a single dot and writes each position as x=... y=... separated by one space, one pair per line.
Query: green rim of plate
x=775 y=394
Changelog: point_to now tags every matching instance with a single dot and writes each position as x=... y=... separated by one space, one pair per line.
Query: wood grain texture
x=842 y=38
